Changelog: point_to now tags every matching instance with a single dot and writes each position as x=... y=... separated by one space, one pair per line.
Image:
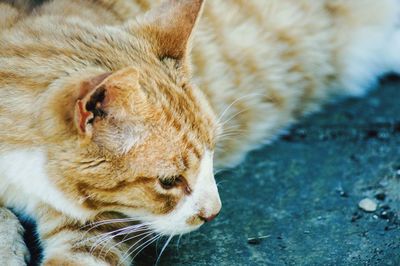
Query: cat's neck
x=24 y=184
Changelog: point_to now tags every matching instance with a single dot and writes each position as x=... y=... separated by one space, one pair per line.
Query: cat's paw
x=13 y=250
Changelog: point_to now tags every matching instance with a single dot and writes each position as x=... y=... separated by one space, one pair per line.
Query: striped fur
x=102 y=102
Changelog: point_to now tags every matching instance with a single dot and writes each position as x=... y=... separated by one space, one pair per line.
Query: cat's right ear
x=170 y=27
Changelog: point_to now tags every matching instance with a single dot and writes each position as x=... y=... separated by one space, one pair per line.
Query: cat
x=115 y=113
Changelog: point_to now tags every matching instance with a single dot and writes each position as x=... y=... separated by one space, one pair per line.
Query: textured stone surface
x=303 y=192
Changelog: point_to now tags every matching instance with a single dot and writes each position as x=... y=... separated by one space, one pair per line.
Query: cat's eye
x=170 y=182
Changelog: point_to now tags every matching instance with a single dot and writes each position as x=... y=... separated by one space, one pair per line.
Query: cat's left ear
x=101 y=96
x=170 y=27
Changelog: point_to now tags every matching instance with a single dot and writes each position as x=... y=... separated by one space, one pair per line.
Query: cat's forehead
x=174 y=104
x=167 y=154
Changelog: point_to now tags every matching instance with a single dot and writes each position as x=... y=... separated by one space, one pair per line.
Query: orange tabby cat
x=106 y=108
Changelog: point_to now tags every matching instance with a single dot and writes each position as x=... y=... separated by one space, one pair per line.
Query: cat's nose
x=210 y=214
x=208 y=218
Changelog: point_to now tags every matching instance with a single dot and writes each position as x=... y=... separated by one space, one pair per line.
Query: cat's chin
x=174 y=231
x=172 y=224
x=166 y=229
x=169 y=226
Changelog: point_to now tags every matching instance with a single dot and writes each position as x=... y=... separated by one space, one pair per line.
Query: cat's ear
x=99 y=95
x=170 y=27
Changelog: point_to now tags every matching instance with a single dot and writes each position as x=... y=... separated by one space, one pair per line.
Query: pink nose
x=208 y=218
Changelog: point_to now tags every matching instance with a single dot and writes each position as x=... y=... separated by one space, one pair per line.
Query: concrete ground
x=301 y=195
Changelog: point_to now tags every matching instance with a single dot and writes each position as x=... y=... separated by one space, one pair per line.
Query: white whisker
x=165 y=246
x=129 y=253
x=220 y=182
x=233 y=117
x=124 y=231
x=218 y=171
x=178 y=242
x=144 y=235
x=234 y=102
x=110 y=233
x=138 y=252
x=144 y=231
x=105 y=222
x=102 y=222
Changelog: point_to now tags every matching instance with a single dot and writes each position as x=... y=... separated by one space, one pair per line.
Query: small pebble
x=368 y=205
x=386 y=215
x=341 y=192
x=380 y=196
x=375 y=217
x=384 y=183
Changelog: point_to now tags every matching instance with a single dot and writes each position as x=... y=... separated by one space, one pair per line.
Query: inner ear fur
x=170 y=27
x=98 y=96
x=88 y=106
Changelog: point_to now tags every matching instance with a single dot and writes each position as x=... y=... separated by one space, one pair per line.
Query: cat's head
x=145 y=134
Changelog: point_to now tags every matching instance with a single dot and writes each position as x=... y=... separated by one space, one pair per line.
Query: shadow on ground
x=302 y=193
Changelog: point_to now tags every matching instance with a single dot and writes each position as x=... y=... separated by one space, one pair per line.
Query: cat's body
x=261 y=64
x=280 y=60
